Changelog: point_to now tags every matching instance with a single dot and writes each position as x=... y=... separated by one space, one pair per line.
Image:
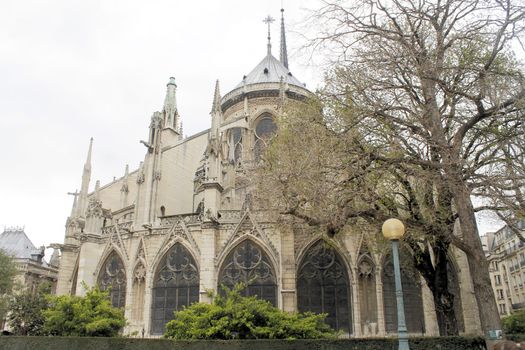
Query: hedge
x=515 y=337
x=85 y=343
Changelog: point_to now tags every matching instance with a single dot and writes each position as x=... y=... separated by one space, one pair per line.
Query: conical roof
x=269 y=70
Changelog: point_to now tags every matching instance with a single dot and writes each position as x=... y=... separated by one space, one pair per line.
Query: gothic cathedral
x=183 y=223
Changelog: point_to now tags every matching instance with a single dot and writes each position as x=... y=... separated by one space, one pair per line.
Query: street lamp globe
x=393 y=229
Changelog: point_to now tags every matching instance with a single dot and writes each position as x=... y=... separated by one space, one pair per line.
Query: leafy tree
x=89 y=316
x=515 y=323
x=26 y=311
x=233 y=316
x=321 y=169
x=435 y=83
x=7 y=276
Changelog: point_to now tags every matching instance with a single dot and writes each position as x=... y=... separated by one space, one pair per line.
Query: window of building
x=502 y=309
x=235 y=145
x=249 y=264
x=112 y=275
x=264 y=131
x=497 y=280
x=176 y=285
x=323 y=286
x=410 y=281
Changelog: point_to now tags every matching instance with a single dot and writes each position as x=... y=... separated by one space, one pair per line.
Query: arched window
x=264 y=131
x=410 y=282
x=113 y=275
x=235 y=145
x=322 y=286
x=176 y=285
x=248 y=263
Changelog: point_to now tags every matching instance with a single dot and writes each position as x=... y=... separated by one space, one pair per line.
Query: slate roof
x=16 y=242
x=269 y=70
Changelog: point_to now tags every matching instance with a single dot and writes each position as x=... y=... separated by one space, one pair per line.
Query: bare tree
x=438 y=84
x=324 y=170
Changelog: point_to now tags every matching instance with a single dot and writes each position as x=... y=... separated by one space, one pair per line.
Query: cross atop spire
x=283 y=57
x=268 y=20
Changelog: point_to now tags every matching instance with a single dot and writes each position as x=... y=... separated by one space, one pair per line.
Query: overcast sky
x=71 y=70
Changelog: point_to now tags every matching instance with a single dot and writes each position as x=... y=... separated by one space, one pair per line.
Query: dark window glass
x=412 y=297
x=322 y=286
x=264 y=130
x=247 y=263
x=113 y=276
x=176 y=285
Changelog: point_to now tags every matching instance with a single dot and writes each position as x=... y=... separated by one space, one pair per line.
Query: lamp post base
x=403 y=344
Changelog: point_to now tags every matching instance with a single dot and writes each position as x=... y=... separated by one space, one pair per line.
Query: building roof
x=269 y=70
x=14 y=241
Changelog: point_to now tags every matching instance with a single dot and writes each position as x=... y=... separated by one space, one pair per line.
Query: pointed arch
x=366 y=277
x=411 y=284
x=112 y=276
x=175 y=285
x=323 y=285
x=248 y=263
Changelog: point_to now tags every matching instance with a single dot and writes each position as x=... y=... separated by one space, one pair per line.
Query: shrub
x=26 y=311
x=514 y=323
x=233 y=316
x=89 y=316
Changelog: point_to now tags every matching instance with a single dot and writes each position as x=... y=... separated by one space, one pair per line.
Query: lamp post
x=393 y=230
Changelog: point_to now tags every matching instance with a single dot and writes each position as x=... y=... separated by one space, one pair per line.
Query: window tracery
x=176 y=284
x=247 y=263
x=323 y=286
x=113 y=275
x=264 y=131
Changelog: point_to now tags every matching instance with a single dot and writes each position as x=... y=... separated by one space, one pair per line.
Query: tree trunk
x=478 y=265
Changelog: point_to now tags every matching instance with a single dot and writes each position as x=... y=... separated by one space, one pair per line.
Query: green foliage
x=90 y=316
x=514 y=323
x=7 y=276
x=236 y=317
x=26 y=311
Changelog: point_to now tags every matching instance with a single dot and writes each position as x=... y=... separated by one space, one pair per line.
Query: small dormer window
x=265 y=71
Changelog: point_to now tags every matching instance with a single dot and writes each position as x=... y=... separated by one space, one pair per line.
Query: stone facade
x=165 y=234
x=506 y=255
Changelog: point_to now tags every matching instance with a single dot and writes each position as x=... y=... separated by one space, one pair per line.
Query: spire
x=86 y=177
x=268 y=20
x=171 y=115
x=216 y=112
x=283 y=57
x=87 y=165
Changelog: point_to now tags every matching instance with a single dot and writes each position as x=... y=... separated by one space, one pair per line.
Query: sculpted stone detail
x=157 y=175
x=94 y=208
x=179 y=229
x=140 y=176
x=247 y=225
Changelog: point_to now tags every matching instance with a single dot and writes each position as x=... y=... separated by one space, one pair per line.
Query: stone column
x=207 y=273
x=288 y=272
x=381 y=331
x=429 y=310
x=355 y=302
x=88 y=261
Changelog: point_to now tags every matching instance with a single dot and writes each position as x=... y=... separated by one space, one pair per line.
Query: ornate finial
x=268 y=20
x=283 y=53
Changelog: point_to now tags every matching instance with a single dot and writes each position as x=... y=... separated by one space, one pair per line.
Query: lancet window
x=175 y=286
x=264 y=131
x=249 y=264
x=113 y=276
x=323 y=286
x=410 y=281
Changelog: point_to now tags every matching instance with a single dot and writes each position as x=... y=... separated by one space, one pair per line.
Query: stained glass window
x=264 y=130
x=113 y=276
x=248 y=263
x=322 y=286
x=410 y=282
x=176 y=285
